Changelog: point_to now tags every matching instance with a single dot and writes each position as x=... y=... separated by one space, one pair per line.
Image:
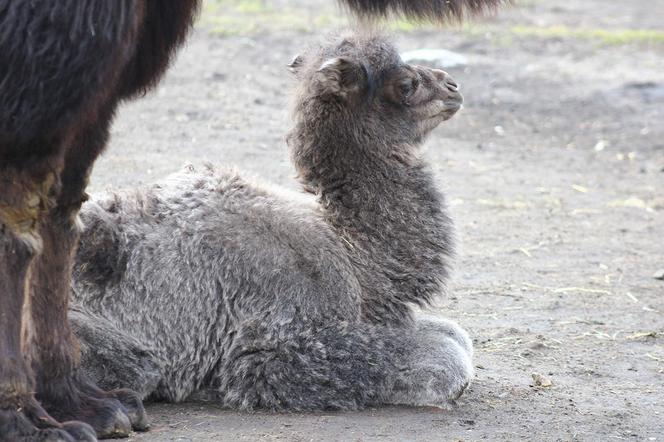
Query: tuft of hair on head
x=435 y=11
x=296 y=63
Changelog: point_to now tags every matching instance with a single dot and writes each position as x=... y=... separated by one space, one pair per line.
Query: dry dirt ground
x=555 y=176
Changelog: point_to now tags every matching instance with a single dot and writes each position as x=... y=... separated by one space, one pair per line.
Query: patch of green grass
x=403 y=26
x=253 y=6
x=250 y=17
x=607 y=36
x=248 y=6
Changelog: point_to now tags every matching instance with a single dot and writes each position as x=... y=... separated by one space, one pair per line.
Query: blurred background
x=554 y=173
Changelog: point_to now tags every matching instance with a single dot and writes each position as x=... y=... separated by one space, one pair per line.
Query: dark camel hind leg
x=62 y=387
x=24 y=200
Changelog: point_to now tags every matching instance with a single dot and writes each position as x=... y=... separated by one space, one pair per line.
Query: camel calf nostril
x=451 y=84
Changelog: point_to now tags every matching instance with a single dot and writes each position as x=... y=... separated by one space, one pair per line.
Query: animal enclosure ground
x=554 y=172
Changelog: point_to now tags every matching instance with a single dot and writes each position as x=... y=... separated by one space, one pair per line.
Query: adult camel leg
x=63 y=59
x=61 y=386
x=24 y=200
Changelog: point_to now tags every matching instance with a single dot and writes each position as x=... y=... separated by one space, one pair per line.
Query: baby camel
x=206 y=284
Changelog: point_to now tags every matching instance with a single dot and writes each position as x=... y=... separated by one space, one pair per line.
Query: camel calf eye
x=408 y=87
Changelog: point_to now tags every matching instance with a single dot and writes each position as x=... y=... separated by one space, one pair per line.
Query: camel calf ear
x=295 y=64
x=340 y=75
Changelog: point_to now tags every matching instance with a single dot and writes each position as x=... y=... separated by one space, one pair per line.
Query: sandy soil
x=555 y=176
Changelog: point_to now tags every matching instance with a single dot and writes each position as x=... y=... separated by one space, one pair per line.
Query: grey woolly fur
x=209 y=285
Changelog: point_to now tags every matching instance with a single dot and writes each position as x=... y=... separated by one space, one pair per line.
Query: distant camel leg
x=61 y=387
